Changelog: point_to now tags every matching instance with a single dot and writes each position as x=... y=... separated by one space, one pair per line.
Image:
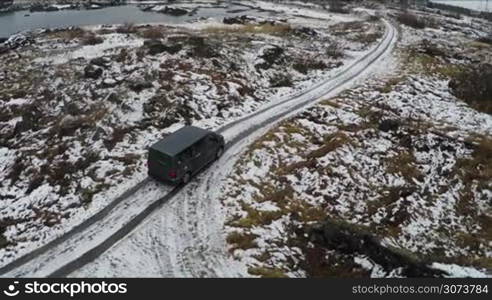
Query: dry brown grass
x=64 y=126
x=344 y=28
x=278 y=195
x=127 y=159
x=291 y=168
x=318 y=265
x=277 y=29
x=390 y=84
x=127 y=28
x=366 y=38
x=103 y=31
x=242 y=241
x=15 y=171
x=388 y=197
x=87 y=194
x=422 y=63
x=90 y=38
x=304 y=212
x=154 y=32
x=267 y=272
x=259 y=144
x=117 y=136
x=477 y=168
x=403 y=164
x=476 y=174
x=411 y=20
x=67 y=34
x=332 y=142
x=335 y=50
x=474 y=241
x=473 y=85
x=256 y=218
x=331 y=102
x=304 y=65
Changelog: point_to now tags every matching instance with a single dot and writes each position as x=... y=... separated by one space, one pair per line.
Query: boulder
x=69 y=124
x=144 y=7
x=201 y=48
x=486 y=39
x=36 y=7
x=353 y=240
x=173 y=49
x=175 y=11
x=40 y=7
x=389 y=125
x=238 y=20
x=103 y=62
x=99 y=133
x=139 y=85
x=5 y=5
x=432 y=49
x=156 y=46
x=270 y=56
x=52 y=8
x=16 y=41
x=306 y=31
x=109 y=82
x=113 y=98
x=93 y=72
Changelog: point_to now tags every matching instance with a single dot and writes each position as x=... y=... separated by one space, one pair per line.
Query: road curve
x=96 y=235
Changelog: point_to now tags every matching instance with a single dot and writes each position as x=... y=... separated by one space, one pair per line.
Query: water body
x=14 y=22
x=478 y=5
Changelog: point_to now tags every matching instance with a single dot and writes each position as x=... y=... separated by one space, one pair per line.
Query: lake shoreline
x=22 y=21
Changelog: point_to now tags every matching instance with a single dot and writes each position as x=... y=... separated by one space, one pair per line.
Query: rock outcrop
x=352 y=240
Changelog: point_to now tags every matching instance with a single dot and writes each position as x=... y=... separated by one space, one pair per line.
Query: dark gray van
x=180 y=155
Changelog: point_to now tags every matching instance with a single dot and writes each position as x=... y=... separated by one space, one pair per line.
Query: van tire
x=219 y=153
x=186 y=178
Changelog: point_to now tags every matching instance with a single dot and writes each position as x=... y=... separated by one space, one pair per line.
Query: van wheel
x=219 y=152
x=186 y=178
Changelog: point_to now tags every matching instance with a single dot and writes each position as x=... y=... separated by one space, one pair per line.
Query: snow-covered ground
x=197 y=248
x=389 y=156
x=342 y=160
x=81 y=106
x=290 y=179
x=393 y=153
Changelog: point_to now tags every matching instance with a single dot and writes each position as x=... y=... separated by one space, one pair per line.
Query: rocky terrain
x=80 y=105
x=392 y=178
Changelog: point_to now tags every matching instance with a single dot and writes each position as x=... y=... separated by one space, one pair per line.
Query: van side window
x=195 y=149
x=186 y=154
x=210 y=142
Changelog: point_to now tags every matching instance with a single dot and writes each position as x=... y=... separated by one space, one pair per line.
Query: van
x=182 y=154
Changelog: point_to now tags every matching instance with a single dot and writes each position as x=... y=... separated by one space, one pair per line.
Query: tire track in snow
x=42 y=261
x=77 y=229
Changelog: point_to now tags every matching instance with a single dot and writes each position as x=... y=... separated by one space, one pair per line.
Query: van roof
x=179 y=140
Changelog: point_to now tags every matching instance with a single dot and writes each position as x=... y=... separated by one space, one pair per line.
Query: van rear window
x=161 y=157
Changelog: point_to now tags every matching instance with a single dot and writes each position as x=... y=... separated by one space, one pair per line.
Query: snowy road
x=180 y=234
